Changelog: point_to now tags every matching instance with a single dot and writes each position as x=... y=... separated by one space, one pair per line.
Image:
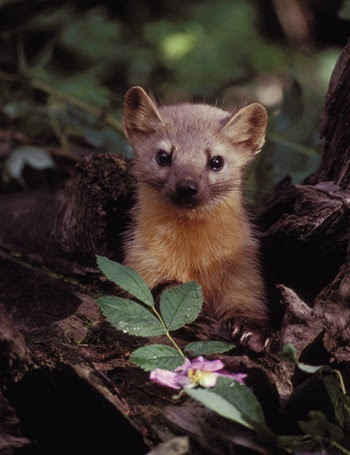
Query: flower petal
x=165 y=378
x=209 y=380
x=184 y=367
x=200 y=363
x=183 y=381
x=237 y=376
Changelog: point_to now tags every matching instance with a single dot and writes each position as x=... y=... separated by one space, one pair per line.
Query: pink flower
x=199 y=371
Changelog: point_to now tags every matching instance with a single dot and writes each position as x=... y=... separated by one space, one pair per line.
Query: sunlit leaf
x=157 y=356
x=218 y=404
x=208 y=347
x=126 y=278
x=130 y=317
x=245 y=401
x=181 y=305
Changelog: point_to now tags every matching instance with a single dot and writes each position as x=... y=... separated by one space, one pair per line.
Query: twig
x=68 y=99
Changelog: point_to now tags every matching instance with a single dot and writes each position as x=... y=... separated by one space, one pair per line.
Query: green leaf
x=340 y=401
x=208 y=347
x=126 y=278
x=157 y=356
x=217 y=403
x=318 y=425
x=92 y=35
x=86 y=87
x=130 y=317
x=181 y=305
x=245 y=401
x=234 y=401
x=289 y=354
x=297 y=443
x=309 y=368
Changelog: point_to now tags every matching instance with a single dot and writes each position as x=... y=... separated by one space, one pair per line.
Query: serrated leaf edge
x=155 y=346
x=228 y=348
x=189 y=290
x=146 y=300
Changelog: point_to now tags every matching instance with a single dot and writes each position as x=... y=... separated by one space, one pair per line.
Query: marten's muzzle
x=185 y=194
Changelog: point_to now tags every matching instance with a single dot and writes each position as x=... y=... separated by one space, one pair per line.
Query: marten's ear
x=140 y=113
x=248 y=127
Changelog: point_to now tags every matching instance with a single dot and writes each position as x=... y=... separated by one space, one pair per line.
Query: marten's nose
x=187 y=189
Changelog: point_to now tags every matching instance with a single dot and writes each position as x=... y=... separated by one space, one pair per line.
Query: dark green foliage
x=56 y=55
x=344 y=12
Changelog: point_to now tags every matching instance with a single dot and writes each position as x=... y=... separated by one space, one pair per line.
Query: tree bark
x=57 y=350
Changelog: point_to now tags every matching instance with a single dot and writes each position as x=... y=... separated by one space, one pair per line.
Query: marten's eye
x=163 y=158
x=216 y=163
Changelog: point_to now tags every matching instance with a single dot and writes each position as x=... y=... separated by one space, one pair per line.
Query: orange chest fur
x=188 y=249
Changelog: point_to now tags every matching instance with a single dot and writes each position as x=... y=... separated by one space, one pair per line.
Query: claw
x=246 y=335
x=267 y=341
x=235 y=331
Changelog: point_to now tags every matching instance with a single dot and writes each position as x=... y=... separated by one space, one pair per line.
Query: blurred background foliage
x=65 y=66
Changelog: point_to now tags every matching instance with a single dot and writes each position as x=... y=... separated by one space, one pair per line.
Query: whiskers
x=223 y=188
x=154 y=182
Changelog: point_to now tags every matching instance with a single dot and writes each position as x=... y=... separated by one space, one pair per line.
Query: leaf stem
x=341 y=381
x=335 y=444
x=69 y=99
x=167 y=332
x=82 y=105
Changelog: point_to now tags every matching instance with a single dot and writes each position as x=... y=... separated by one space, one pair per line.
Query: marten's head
x=191 y=154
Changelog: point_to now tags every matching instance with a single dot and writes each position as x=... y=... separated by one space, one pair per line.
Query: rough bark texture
x=61 y=363
x=335 y=126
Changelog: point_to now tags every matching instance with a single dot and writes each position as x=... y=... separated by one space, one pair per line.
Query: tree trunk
x=65 y=371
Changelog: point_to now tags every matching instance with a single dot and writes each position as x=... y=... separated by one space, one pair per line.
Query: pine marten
x=189 y=222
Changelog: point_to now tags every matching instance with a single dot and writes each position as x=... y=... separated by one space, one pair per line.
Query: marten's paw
x=255 y=335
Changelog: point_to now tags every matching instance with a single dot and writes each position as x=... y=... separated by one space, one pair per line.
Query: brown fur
x=212 y=241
